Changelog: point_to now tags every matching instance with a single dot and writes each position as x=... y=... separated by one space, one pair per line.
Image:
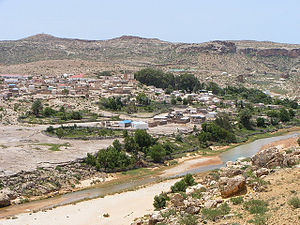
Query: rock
x=177 y=200
x=4 y=200
x=231 y=172
x=229 y=163
x=210 y=204
x=192 y=209
x=262 y=171
x=155 y=218
x=231 y=186
x=269 y=158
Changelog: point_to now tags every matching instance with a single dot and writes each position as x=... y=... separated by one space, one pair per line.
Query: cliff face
x=294 y=53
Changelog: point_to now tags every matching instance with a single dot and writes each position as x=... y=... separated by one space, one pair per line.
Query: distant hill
x=249 y=58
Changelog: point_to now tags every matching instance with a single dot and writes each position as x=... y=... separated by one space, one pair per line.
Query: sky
x=190 y=21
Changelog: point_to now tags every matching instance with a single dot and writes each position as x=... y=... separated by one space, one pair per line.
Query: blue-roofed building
x=125 y=123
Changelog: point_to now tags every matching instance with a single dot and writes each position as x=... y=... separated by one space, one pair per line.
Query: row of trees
x=38 y=110
x=186 y=82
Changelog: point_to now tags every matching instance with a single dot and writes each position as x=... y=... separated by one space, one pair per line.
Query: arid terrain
x=265 y=65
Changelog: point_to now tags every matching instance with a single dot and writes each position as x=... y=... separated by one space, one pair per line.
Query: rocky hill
x=254 y=61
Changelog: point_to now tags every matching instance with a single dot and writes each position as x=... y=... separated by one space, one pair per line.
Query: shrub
x=179 y=186
x=197 y=194
x=50 y=129
x=214 y=214
x=189 y=180
x=258 y=220
x=160 y=201
x=237 y=200
x=157 y=153
x=189 y=220
x=256 y=206
x=294 y=202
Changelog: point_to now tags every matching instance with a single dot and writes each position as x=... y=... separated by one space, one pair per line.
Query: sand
x=122 y=208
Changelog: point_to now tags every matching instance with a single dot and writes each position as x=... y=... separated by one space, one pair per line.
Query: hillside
x=261 y=64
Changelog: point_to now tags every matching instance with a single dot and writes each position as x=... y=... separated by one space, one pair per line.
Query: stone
x=268 y=158
x=192 y=209
x=210 y=204
x=261 y=172
x=231 y=186
x=4 y=200
x=231 y=172
x=177 y=200
x=155 y=218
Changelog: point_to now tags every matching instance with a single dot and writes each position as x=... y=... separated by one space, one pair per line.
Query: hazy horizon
x=174 y=21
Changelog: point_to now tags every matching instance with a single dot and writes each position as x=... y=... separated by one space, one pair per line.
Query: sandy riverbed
x=122 y=208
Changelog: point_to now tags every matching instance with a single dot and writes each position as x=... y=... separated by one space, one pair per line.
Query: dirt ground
x=22 y=148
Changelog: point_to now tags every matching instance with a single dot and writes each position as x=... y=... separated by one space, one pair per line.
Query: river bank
x=119 y=208
x=89 y=178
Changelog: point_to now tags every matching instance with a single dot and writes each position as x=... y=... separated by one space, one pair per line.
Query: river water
x=246 y=150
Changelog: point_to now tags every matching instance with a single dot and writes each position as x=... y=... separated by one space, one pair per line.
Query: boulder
x=192 y=210
x=262 y=171
x=177 y=200
x=4 y=200
x=155 y=218
x=210 y=204
x=268 y=158
x=231 y=186
x=231 y=172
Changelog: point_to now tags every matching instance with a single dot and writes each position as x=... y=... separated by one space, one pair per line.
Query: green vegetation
x=159 y=79
x=214 y=214
x=160 y=201
x=237 y=200
x=55 y=147
x=294 y=202
x=82 y=132
x=181 y=186
x=188 y=219
x=256 y=206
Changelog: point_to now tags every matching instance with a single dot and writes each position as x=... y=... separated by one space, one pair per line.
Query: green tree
x=160 y=201
x=173 y=101
x=185 y=101
x=260 y=122
x=143 y=99
x=245 y=117
x=37 y=107
x=48 y=111
x=157 y=153
x=143 y=139
x=284 y=115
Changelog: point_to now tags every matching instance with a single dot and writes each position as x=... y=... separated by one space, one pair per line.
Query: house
x=198 y=118
x=139 y=125
x=125 y=123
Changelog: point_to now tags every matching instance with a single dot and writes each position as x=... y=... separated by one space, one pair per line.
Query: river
x=245 y=150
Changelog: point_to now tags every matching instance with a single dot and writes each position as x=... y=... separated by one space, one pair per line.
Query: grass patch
x=256 y=207
x=188 y=220
x=294 y=202
x=237 y=200
x=214 y=214
x=55 y=147
x=258 y=220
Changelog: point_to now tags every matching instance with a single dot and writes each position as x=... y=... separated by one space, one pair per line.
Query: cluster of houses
x=66 y=84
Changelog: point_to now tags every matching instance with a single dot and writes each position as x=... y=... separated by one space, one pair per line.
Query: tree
x=185 y=101
x=143 y=139
x=143 y=99
x=37 y=107
x=179 y=99
x=245 y=117
x=292 y=113
x=284 y=115
x=157 y=153
x=76 y=115
x=223 y=121
x=48 y=111
x=173 y=101
x=65 y=91
x=260 y=122
x=117 y=145
x=160 y=201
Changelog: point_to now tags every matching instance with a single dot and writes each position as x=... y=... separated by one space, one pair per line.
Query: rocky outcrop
x=231 y=186
x=269 y=52
x=268 y=158
x=5 y=197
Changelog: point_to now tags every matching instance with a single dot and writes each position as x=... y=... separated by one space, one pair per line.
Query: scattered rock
x=210 y=204
x=262 y=171
x=231 y=186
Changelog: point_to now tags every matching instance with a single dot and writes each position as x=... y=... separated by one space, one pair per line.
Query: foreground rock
x=231 y=186
x=4 y=199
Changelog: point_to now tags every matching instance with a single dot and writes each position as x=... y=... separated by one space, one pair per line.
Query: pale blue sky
x=171 y=20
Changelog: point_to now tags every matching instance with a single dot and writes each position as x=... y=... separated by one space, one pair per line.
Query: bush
x=157 y=153
x=50 y=129
x=237 y=200
x=160 y=201
x=260 y=122
x=214 y=214
x=256 y=206
x=294 y=202
x=179 y=186
x=189 y=220
x=189 y=180
x=258 y=220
